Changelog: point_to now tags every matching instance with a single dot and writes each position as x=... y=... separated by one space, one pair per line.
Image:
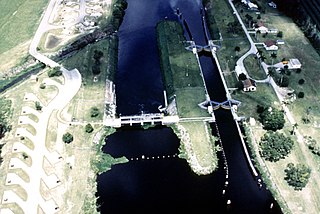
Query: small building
x=280 y=42
x=252 y=6
x=272 y=4
x=249 y=85
x=294 y=64
x=273 y=30
x=260 y=27
x=270 y=45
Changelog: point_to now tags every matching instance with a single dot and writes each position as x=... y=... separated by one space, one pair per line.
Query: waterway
x=155 y=180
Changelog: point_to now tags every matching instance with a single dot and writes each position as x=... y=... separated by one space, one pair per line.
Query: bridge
x=141 y=119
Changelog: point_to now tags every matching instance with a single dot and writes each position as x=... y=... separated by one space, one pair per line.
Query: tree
x=89 y=128
x=237 y=49
x=38 y=106
x=297 y=176
x=294 y=127
x=94 y=112
x=67 y=138
x=272 y=119
x=97 y=54
x=273 y=56
x=275 y=146
x=55 y=72
x=300 y=94
x=301 y=81
x=280 y=34
x=242 y=76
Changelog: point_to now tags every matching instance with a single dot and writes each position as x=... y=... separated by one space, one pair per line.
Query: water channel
x=161 y=182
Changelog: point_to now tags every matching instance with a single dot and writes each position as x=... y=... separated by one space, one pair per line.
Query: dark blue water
x=167 y=185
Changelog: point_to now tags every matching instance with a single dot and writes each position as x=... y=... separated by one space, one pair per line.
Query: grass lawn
x=199 y=138
x=19 y=20
x=182 y=77
x=253 y=68
x=92 y=91
x=296 y=46
x=223 y=14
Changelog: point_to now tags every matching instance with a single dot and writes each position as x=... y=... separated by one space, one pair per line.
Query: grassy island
x=185 y=90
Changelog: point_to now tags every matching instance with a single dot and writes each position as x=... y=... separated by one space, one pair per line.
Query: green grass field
x=296 y=46
x=182 y=78
x=92 y=92
x=19 y=20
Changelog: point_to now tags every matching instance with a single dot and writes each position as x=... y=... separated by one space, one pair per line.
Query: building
x=294 y=64
x=280 y=42
x=260 y=27
x=249 y=85
x=273 y=30
x=272 y=4
x=250 y=5
x=270 y=45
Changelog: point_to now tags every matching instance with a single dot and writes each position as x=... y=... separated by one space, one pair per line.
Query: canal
x=155 y=180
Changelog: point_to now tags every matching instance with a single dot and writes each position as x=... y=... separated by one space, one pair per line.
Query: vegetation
x=297 y=176
x=89 y=128
x=5 y=115
x=38 y=106
x=94 y=112
x=184 y=84
x=55 y=72
x=67 y=138
x=103 y=162
x=19 y=20
x=312 y=145
x=272 y=118
x=275 y=146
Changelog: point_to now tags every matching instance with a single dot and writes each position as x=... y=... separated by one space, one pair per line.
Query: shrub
x=242 y=76
x=54 y=72
x=272 y=119
x=301 y=95
x=301 y=81
x=67 y=137
x=38 y=106
x=297 y=176
x=275 y=146
x=89 y=128
x=42 y=86
x=94 y=112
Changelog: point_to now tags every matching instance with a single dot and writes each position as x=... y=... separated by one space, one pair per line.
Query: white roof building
x=294 y=63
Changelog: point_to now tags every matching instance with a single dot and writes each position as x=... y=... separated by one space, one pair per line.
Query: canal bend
x=166 y=185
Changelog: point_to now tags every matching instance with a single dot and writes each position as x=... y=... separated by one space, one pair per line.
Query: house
x=294 y=64
x=251 y=5
x=270 y=45
x=260 y=27
x=249 y=85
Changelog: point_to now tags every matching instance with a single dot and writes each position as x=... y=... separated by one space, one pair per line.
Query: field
x=92 y=92
x=19 y=20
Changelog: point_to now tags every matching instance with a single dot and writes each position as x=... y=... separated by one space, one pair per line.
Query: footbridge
x=142 y=119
